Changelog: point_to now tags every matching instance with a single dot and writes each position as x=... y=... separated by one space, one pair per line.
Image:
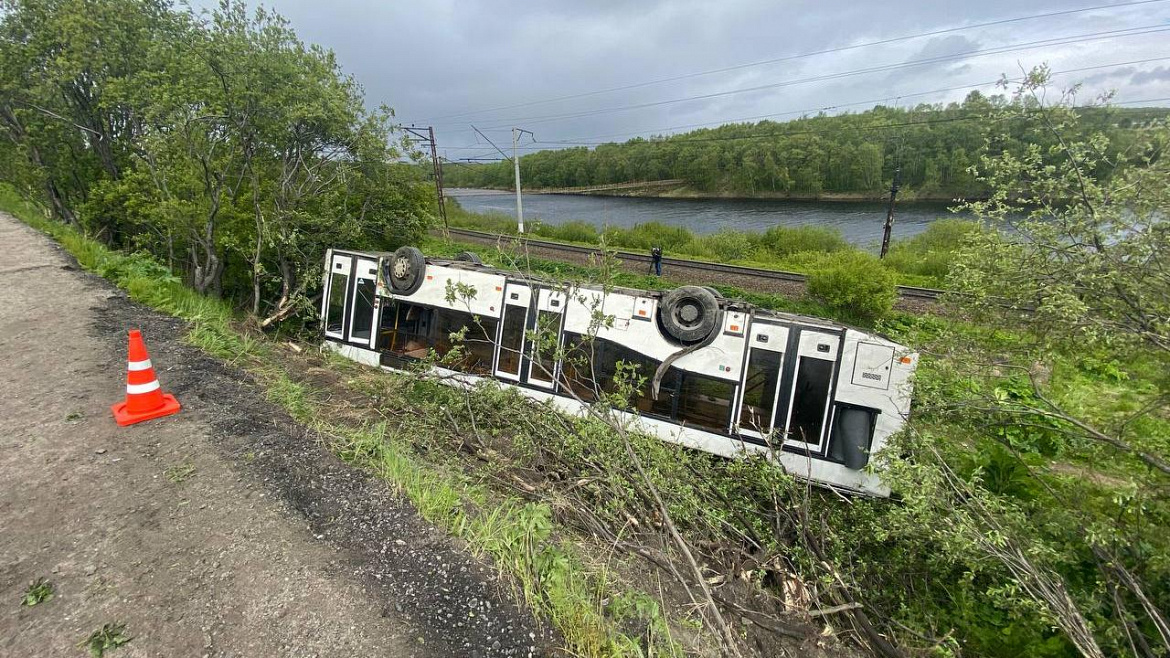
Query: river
x=859 y=222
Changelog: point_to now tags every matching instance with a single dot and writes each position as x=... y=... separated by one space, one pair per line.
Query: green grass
x=180 y=473
x=520 y=536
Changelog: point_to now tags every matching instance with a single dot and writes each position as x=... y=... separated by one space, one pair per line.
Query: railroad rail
x=483 y=237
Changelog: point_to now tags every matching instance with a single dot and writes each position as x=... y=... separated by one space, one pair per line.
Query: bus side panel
x=488 y=287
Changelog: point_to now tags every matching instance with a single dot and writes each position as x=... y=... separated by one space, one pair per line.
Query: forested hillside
x=218 y=142
x=849 y=155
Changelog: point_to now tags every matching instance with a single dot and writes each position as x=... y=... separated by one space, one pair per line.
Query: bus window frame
x=807 y=340
x=339 y=265
x=363 y=269
x=522 y=303
x=778 y=336
x=545 y=298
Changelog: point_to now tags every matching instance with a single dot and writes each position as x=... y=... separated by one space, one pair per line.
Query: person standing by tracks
x=656 y=260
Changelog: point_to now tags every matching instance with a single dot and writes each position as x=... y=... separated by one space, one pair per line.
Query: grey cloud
x=429 y=60
x=1160 y=74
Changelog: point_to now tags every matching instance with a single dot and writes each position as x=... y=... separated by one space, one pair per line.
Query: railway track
x=673 y=264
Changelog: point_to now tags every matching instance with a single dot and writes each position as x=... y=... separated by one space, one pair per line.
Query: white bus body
x=824 y=395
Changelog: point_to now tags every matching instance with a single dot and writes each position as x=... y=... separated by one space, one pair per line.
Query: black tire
x=469 y=257
x=405 y=270
x=688 y=314
x=718 y=295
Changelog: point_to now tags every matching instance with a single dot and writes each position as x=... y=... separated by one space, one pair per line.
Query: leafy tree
x=218 y=141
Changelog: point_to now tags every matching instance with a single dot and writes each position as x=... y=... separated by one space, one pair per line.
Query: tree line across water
x=842 y=156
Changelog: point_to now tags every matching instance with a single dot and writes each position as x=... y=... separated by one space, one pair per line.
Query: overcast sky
x=450 y=64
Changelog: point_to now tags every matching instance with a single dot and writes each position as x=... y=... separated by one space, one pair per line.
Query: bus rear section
x=716 y=375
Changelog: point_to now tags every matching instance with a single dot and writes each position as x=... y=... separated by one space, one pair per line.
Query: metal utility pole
x=517 y=133
x=889 y=227
x=429 y=137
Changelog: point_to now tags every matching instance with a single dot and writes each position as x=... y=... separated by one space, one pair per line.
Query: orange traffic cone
x=144 y=396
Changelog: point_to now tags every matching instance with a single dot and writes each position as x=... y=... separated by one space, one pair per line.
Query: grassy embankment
x=480 y=465
x=922 y=260
x=587 y=601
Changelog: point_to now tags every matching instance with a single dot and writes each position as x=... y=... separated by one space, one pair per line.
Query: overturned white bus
x=721 y=376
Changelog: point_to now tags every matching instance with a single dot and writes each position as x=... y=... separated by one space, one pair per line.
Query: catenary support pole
x=438 y=177
x=889 y=227
x=516 y=132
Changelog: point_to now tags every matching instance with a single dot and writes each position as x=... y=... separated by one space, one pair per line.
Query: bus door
x=542 y=361
x=364 y=305
x=760 y=388
x=337 y=295
x=510 y=342
x=808 y=409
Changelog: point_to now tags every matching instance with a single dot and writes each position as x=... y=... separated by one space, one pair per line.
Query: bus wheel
x=469 y=257
x=405 y=270
x=688 y=314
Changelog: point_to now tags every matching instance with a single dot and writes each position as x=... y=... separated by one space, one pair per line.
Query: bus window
x=548 y=327
x=705 y=402
x=590 y=365
x=667 y=391
x=335 y=316
x=810 y=400
x=759 y=394
x=577 y=368
x=363 y=311
x=512 y=340
x=405 y=329
x=478 y=336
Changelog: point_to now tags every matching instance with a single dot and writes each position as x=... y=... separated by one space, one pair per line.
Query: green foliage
x=790 y=240
x=846 y=156
x=853 y=283
x=219 y=143
x=39 y=591
x=932 y=252
x=105 y=639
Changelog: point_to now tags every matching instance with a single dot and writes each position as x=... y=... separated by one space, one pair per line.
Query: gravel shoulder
x=226 y=530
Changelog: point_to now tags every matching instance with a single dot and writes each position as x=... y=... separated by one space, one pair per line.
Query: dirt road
x=226 y=530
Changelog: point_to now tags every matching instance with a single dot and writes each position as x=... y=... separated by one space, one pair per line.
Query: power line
x=584 y=141
x=788 y=58
x=1091 y=36
x=989 y=83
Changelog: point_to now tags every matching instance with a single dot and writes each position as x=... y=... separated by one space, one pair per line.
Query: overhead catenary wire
x=788 y=58
x=1056 y=41
x=590 y=140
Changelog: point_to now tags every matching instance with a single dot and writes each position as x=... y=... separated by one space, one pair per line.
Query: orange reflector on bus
x=905 y=359
x=499 y=288
x=641 y=312
x=735 y=327
x=429 y=277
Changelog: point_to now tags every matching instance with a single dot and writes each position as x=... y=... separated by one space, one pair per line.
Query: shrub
x=930 y=253
x=788 y=240
x=643 y=236
x=854 y=283
x=727 y=245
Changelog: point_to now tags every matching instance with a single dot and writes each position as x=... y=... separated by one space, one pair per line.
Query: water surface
x=860 y=223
